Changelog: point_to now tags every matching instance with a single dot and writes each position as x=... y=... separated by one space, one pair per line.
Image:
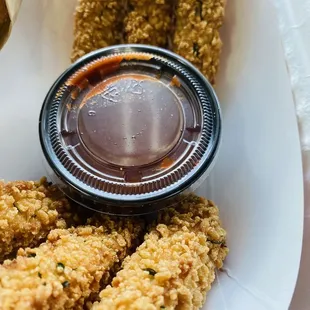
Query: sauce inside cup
x=127 y=128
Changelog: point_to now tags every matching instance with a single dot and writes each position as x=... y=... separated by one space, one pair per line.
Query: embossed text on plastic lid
x=127 y=127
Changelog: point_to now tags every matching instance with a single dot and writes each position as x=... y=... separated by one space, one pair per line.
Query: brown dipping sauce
x=127 y=126
x=128 y=123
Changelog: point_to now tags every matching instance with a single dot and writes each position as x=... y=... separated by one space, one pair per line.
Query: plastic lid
x=130 y=123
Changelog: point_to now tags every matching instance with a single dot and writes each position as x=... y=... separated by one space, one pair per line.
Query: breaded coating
x=196 y=36
x=98 y=23
x=28 y=211
x=148 y=22
x=175 y=266
x=63 y=272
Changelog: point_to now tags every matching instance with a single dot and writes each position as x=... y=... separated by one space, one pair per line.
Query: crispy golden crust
x=28 y=211
x=197 y=36
x=130 y=228
x=148 y=22
x=175 y=266
x=97 y=24
x=63 y=272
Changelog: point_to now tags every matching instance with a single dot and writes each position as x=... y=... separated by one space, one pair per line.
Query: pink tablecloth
x=294 y=22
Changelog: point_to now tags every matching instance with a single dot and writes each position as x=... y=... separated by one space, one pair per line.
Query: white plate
x=257 y=181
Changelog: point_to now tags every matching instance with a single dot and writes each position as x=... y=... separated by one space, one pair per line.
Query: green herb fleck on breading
x=65 y=284
x=151 y=271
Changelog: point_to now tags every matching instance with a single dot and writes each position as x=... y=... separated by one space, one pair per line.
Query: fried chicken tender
x=175 y=266
x=28 y=211
x=196 y=36
x=98 y=23
x=64 y=271
x=148 y=22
